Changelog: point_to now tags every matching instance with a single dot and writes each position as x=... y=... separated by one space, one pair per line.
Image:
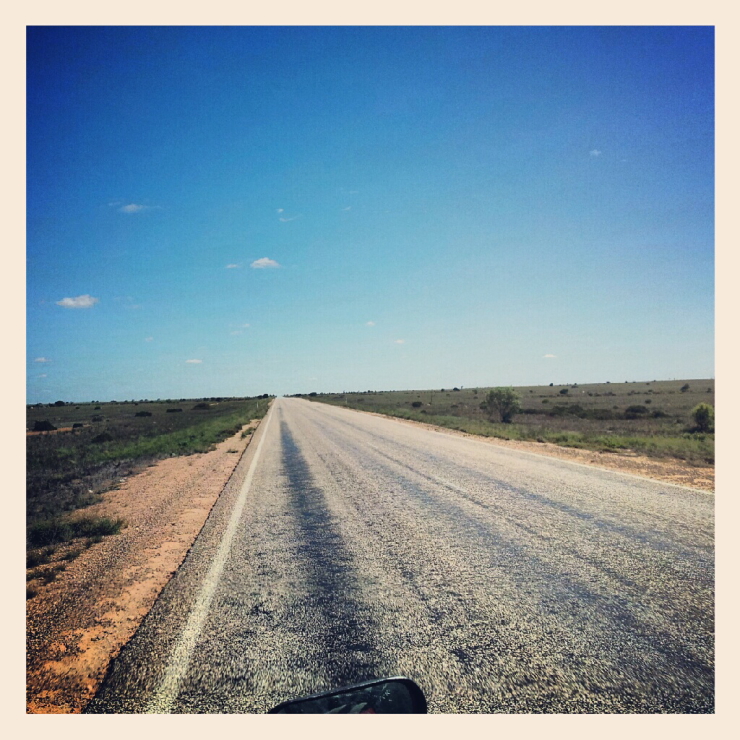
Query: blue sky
x=236 y=211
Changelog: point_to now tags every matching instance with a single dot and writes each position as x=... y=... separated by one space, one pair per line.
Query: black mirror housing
x=397 y=695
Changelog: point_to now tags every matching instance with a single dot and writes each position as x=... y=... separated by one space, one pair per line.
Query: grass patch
x=57 y=530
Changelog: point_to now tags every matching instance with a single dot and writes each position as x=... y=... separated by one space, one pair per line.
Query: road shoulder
x=80 y=621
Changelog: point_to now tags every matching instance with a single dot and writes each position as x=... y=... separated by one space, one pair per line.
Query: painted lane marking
x=179 y=661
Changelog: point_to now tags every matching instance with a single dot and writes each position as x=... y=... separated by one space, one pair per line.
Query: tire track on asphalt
x=347 y=631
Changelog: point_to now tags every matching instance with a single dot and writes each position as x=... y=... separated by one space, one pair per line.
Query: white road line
x=179 y=662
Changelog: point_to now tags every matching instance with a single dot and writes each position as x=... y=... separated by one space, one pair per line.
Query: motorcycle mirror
x=397 y=695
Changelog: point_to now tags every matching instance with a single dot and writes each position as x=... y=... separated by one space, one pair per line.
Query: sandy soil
x=78 y=623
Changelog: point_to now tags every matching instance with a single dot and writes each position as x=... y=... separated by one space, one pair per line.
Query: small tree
x=501 y=402
x=703 y=416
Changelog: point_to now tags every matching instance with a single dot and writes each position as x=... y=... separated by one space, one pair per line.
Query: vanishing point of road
x=349 y=546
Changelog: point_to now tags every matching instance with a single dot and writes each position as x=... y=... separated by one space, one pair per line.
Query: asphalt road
x=350 y=546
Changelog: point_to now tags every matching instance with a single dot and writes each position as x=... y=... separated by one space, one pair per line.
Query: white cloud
x=348 y=208
x=280 y=210
x=193 y=362
x=245 y=326
x=548 y=356
x=149 y=339
x=370 y=323
x=81 y=301
x=595 y=153
x=236 y=333
x=132 y=208
x=43 y=375
x=400 y=341
x=292 y=218
x=264 y=262
x=42 y=359
x=232 y=266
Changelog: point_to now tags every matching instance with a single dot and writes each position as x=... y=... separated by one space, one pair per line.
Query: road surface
x=349 y=546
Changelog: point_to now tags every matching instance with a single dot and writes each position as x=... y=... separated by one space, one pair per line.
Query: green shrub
x=703 y=416
x=502 y=402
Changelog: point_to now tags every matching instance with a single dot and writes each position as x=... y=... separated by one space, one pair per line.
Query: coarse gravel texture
x=500 y=581
x=77 y=623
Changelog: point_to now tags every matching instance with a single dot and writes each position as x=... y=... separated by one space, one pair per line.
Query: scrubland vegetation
x=658 y=418
x=79 y=451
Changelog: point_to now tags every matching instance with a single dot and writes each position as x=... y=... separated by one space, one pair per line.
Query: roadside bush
x=43 y=426
x=416 y=404
x=501 y=402
x=703 y=416
x=143 y=413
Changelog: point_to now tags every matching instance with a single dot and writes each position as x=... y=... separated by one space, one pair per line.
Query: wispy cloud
x=236 y=332
x=370 y=323
x=264 y=262
x=245 y=326
x=149 y=339
x=134 y=207
x=595 y=153
x=128 y=302
x=81 y=301
x=549 y=356
x=348 y=208
x=233 y=266
x=280 y=210
x=42 y=375
x=193 y=362
x=292 y=218
x=399 y=341
x=42 y=359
